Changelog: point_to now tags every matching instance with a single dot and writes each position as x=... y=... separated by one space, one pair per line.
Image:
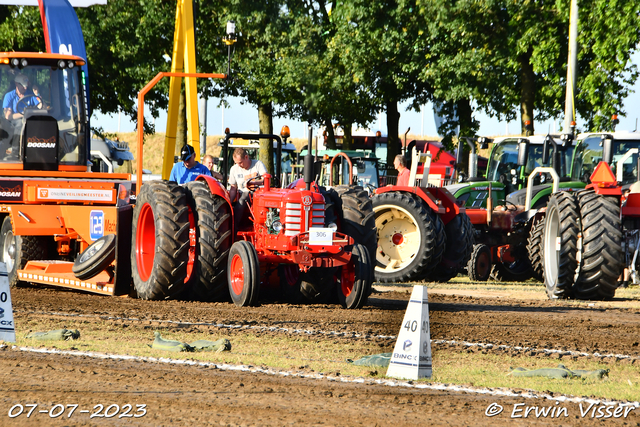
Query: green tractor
x=591 y=239
x=505 y=173
x=511 y=202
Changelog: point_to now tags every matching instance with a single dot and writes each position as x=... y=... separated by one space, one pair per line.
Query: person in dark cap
x=17 y=100
x=188 y=169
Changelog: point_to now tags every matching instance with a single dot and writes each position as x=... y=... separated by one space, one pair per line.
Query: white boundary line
x=318 y=376
x=355 y=335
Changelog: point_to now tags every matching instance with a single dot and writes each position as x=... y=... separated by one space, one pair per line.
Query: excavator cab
x=44 y=121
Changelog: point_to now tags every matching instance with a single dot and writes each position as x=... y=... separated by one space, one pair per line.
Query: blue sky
x=244 y=118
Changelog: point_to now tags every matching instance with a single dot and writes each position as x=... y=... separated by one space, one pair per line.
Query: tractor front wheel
x=479 y=266
x=160 y=241
x=243 y=274
x=355 y=279
x=406 y=237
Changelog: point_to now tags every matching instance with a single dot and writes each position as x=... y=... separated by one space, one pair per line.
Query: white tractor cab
x=110 y=156
x=252 y=147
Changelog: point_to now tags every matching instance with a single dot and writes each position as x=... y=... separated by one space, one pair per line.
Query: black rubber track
x=168 y=203
x=459 y=245
x=212 y=216
x=563 y=215
x=428 y=234
x=534 y=249
x=602 y=255
x=479 y=266
x=27 y=248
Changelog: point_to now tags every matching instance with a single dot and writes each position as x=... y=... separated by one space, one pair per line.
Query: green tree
x=379 y=44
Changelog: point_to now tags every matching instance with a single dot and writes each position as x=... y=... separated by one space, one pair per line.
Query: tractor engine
x=286 y=223
x=291 y=211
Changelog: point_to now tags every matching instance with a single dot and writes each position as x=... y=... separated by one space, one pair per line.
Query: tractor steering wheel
x=24 y=100
x=252 y=184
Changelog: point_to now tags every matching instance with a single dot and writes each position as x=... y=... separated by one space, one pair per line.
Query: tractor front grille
x=297 y=220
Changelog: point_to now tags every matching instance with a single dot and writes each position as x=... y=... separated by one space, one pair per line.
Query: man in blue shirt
x=15 y=102
x=188 y=169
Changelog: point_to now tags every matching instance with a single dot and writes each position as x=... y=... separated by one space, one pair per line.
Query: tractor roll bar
x=141 y=95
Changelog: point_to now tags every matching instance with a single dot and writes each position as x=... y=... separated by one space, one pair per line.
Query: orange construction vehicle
x=52 y=205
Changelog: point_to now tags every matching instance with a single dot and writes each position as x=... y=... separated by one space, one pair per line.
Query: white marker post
x=7 y=328
x=411 y=357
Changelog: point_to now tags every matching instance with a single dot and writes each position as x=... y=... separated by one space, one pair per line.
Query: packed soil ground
x=177 y=395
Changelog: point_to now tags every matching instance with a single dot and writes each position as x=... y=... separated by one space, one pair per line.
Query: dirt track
x=183 y=395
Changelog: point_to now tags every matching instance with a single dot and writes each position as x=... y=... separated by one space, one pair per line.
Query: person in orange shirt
x=403 y=172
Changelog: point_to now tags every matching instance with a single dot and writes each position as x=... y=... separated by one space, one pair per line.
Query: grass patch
x=329 y=356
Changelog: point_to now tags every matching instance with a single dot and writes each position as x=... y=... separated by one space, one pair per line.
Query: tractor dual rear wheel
x=534 y=249
x=560 y=244
x=602 y=254
x=160 y=241
x=458 y=248
x=356 y=216
x=210 y=219
x=407 y=237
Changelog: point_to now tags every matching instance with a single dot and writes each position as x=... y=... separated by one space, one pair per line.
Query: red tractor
x=423 y=234
x=287 y=233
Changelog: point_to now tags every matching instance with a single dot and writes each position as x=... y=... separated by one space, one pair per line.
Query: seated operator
x=15 y=101
x=243 y=170
x=188 y=169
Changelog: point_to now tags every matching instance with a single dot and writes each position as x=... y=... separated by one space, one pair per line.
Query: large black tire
x=354 y=279
x=560 y=244
x=602 y=255
x=18 y=250
x=517 y=271
x=160 y=241
x=534 y=249
x=437 y=251
x=243 y=274
x=407 y=237
x=96 y=258
x=212 y=219
x=357 y=218
x=459 y=245
x=479 y=266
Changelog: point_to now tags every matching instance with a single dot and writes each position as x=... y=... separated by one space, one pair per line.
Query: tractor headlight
x=277 y=226
x=333 y=226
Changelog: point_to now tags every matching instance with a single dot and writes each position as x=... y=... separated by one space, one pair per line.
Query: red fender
x=418 y=191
